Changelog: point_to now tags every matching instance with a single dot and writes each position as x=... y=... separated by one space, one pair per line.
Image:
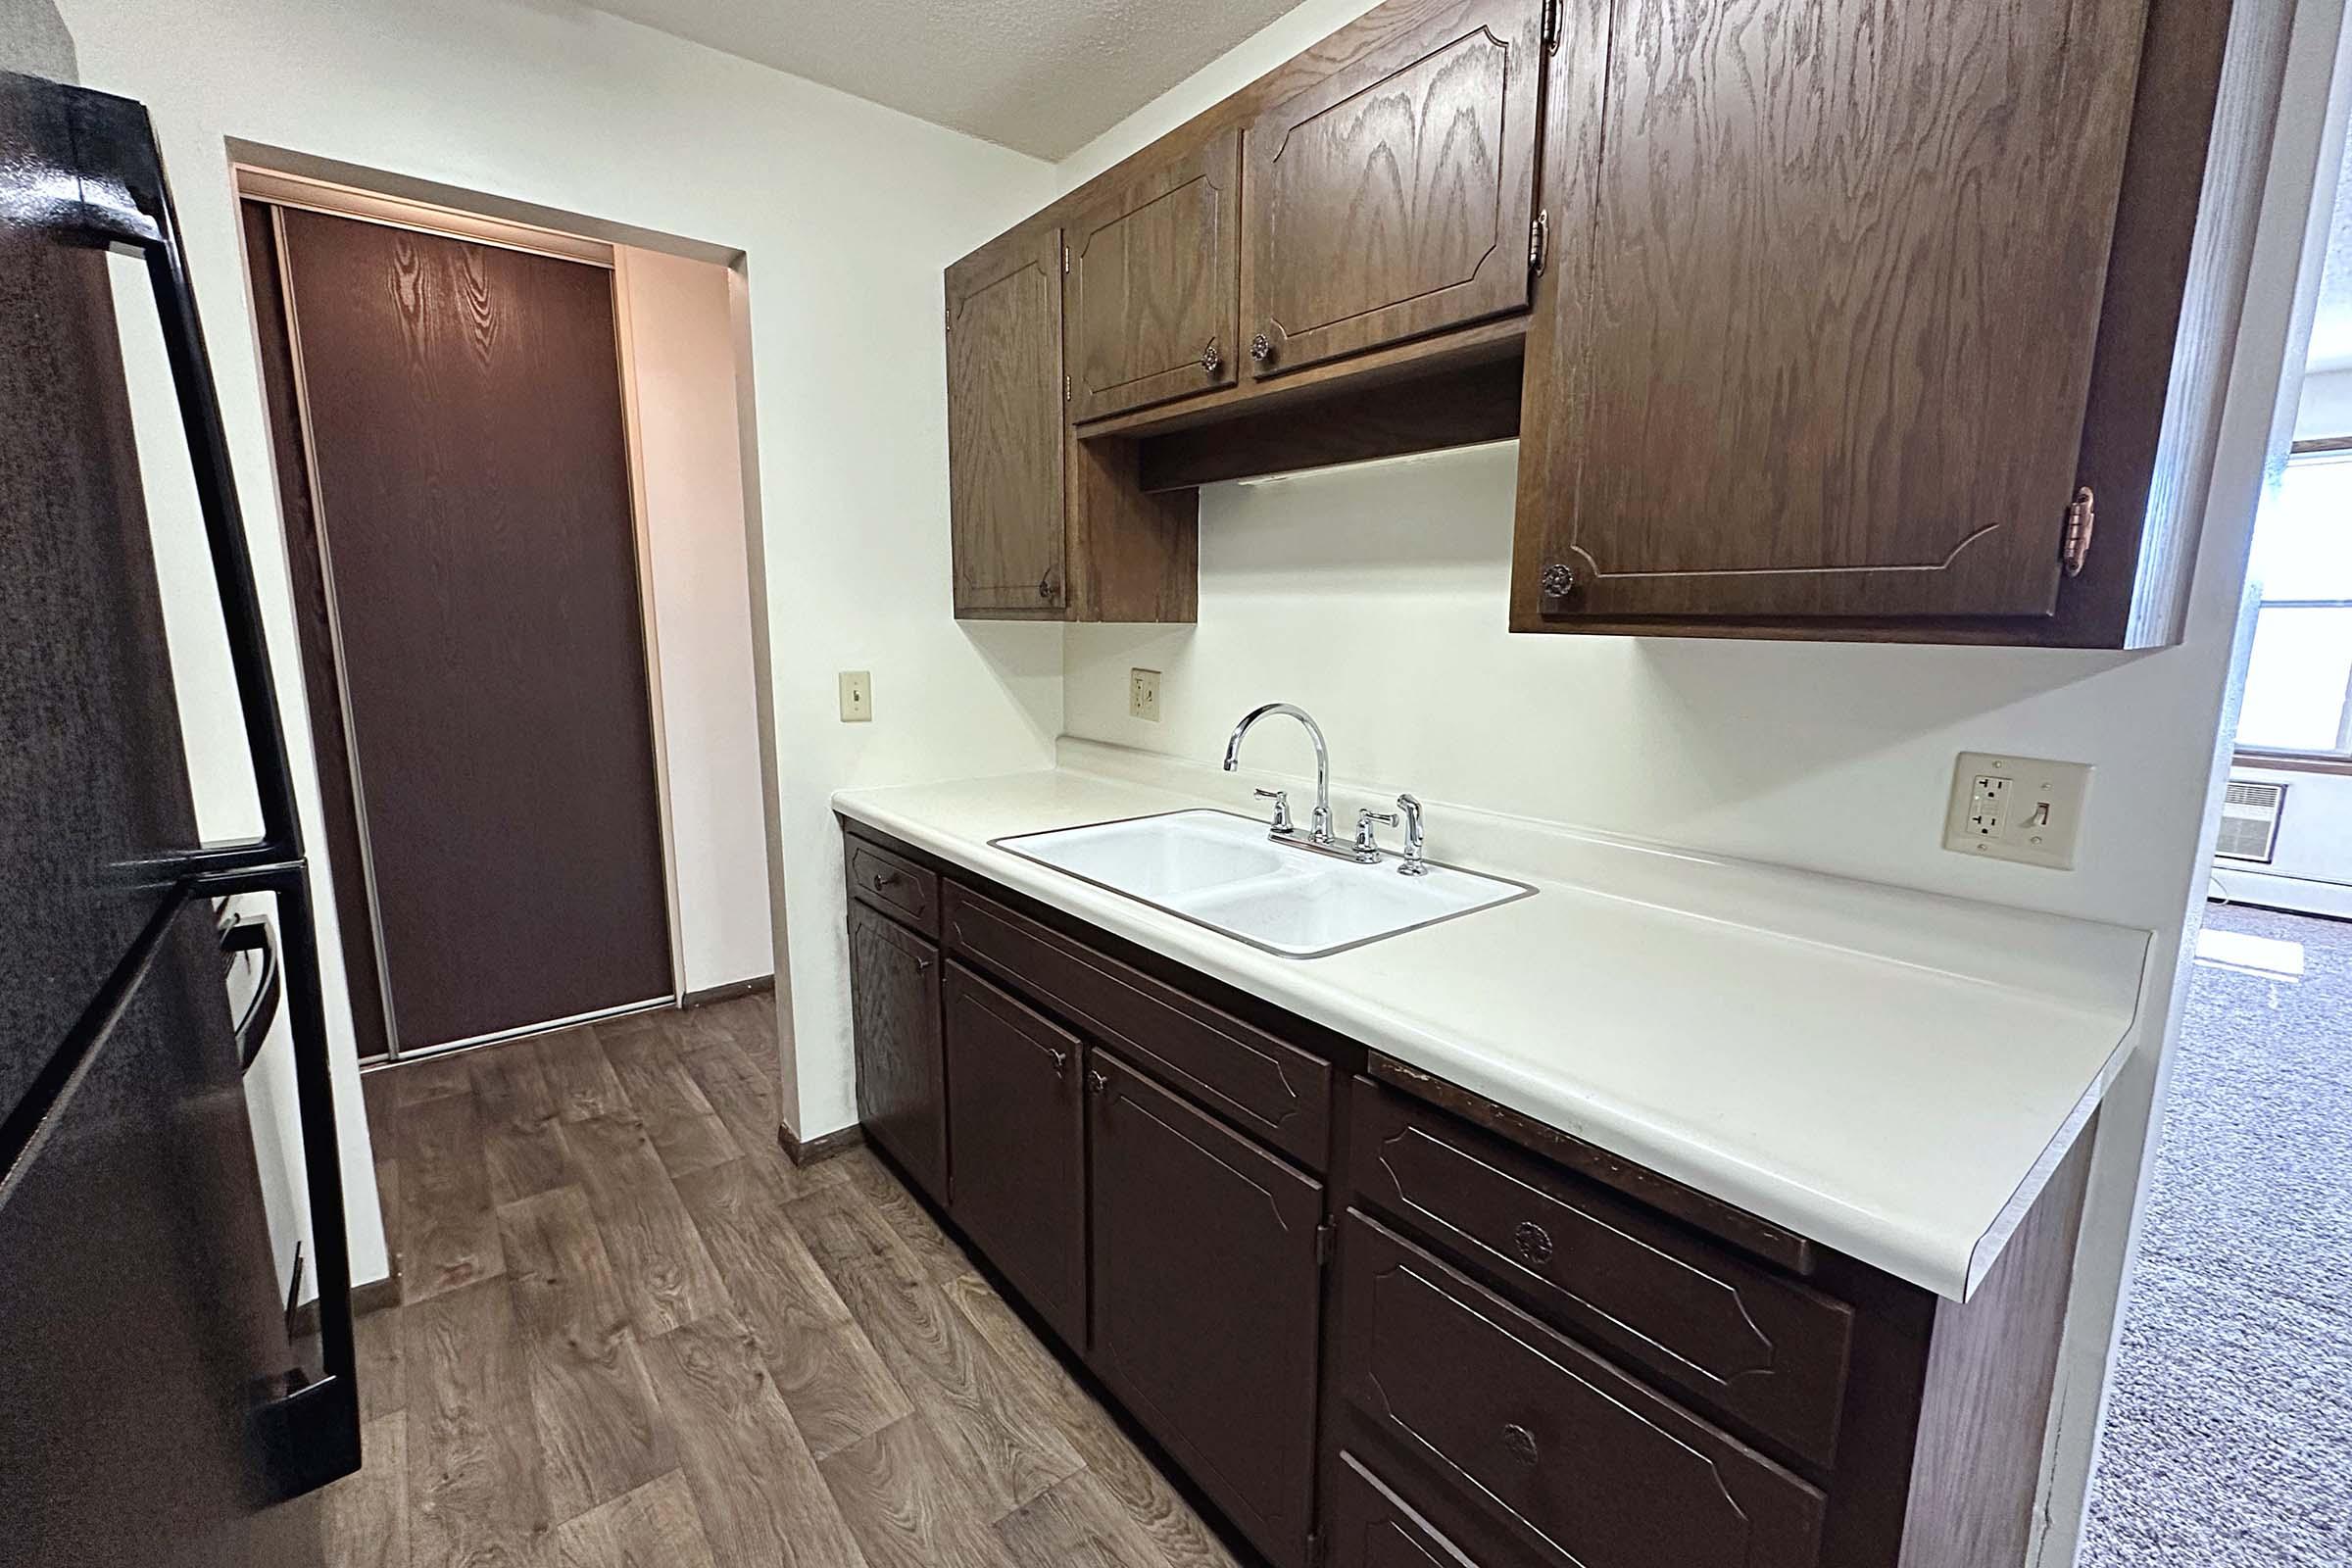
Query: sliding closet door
x=463 y=406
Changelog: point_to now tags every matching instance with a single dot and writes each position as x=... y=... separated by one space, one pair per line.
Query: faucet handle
x=1282 y=808
x=1414 y=865
x=1366 y=843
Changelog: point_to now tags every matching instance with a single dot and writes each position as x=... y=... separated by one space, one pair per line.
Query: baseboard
x=730 y=991
x=819 y=1148
x=2271 y=891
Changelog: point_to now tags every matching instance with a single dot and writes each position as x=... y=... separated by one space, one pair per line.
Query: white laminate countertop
x=1890 y=1073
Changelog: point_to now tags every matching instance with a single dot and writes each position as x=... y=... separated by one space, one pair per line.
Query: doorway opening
x=2228 y=1435
x=518 y=494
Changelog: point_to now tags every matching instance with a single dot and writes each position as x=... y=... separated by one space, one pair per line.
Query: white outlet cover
x=2022 y=808
x=1143 y=695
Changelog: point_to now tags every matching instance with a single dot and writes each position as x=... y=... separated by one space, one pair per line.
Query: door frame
x=321 y=634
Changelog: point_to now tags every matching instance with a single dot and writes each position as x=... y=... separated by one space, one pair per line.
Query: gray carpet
x=2228 y=1440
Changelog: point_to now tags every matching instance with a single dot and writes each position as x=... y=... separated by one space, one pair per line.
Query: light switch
x=856 y=697
x=2022 y=808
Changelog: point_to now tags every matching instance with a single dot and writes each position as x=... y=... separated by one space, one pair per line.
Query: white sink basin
x=1222 y=871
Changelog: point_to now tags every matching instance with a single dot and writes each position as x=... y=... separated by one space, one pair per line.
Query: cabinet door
x=1208 y=1299
x=1004 y=427
x=894 y=1006
x=1155 y=270
x=1016 y=1122
x=1818 y=330
x=1395 y=197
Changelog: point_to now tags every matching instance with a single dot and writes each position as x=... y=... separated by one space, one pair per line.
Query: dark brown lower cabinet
x=902 y=1077
x=1208 y=1299
x=1527 y=1353
x=1587 y=1464
x=1017 y=1123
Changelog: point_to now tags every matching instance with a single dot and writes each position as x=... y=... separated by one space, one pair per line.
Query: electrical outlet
x=2022 y=808
x=1142 y=694
x=856 y=697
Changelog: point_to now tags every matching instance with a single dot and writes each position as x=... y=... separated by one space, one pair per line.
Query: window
x=2299 y=683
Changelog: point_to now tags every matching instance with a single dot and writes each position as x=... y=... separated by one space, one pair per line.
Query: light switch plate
x=1142 y=694
x=2022 y=808
x=856 y=697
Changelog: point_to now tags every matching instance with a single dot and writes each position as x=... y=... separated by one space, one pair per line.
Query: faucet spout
x=1321 y=830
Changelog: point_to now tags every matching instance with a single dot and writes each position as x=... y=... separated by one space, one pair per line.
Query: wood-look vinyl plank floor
x=619 y=1350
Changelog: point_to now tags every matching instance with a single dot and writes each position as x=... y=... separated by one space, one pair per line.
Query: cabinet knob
x=1045 y=586
x=1096 y=1083
x=1532 y=1241
x=1559 y=580
x=1211 y=359
x=1061 y=1063
x=1260 y=349
x=1520 y=1444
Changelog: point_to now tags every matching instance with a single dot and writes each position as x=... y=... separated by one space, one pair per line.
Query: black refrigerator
x=161 y=1401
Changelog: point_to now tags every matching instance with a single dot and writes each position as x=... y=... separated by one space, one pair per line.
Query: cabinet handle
x=1520 y=1444
x=1260 y=349
x=1211 y=359
x=1045 y=586
x=1532 y=1241
x=1559 y=580
x=1096 y=1083
x=883 y=879
x=1061 y=1062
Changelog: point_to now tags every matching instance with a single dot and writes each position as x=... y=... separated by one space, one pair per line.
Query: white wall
x=687 y=459
x=2325 y=410
x=1376 y=598
x=846 y=213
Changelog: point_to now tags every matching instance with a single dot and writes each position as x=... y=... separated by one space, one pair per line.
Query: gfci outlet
x=1142 y=694
x=2022 y=808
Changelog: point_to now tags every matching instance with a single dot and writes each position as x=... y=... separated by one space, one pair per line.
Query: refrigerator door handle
x=310 y=1435
x=239 y=936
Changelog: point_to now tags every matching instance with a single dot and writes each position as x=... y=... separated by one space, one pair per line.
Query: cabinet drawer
x=890 y=883
x=1580 y=1459
x=1269 y=1089
x=1767 y=1350
x=1371 y=1527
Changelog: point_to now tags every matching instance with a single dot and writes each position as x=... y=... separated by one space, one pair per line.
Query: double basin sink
x=1225 y=872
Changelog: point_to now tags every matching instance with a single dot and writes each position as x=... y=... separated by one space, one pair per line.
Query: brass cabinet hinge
x=1325 y=1235
x=1551 y=27
x=1539 y=234
x=1066 y=389
x=1066 y=261
x=2081 y=518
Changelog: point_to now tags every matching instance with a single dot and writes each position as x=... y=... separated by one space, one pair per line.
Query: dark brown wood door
x=1394 y=198
x=1017 y=1123
x=464 y=410
x=1823 y=302
x=1004 y=427
x=1208 y=1299
x=901 y=1085
x=1155 y=275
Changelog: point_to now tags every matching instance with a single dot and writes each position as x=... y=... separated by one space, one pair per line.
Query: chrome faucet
x=1413 y=865
x=1319 y=833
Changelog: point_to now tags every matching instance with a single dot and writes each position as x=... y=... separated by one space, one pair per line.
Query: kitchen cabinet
x=1016 y=1122
x=1004 y=446
x=1396 y=197
x=1151 y=281
x=1382 y=1322
x=901 y=1082
x=1207 y=1280
x=1895 y=322
x=1833 y=341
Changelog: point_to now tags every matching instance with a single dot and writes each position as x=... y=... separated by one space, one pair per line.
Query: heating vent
x=2251 y=822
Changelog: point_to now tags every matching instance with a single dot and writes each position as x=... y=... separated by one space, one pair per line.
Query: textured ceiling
x=1042 y=76
x=2332 y=330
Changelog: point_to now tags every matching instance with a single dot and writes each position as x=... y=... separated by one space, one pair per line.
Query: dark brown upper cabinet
x=1004 y=445
x=1153 y=266
x=1396 y=196
x=1860 y=323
